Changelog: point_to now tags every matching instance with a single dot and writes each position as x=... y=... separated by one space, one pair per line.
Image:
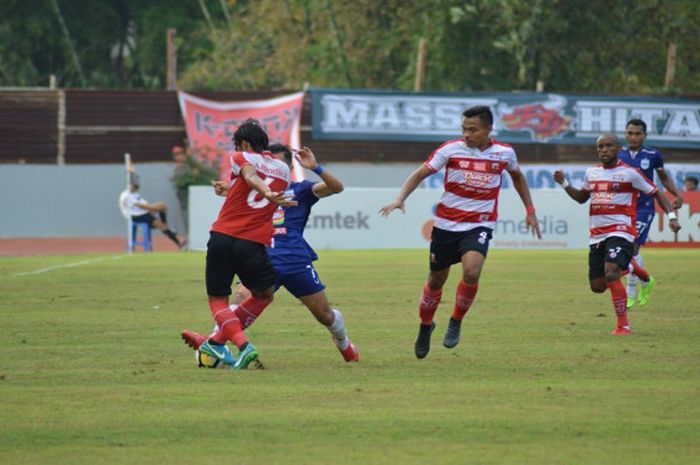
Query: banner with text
x=210 y=125
x=351 y=221
x=519 y=117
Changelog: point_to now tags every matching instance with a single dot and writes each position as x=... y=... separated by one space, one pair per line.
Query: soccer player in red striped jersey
x=613 y=188
x=465 y=217
x=238 y=240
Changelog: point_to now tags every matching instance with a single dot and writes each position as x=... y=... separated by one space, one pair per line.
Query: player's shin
x=619 y=301
x=338 y=331
x=466 y=293
x=250 y=309
x=428 y=304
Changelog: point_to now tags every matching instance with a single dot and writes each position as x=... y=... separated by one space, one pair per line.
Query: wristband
x=672 y=216
x=318 y=170
x=530 y=209
x=565 y=184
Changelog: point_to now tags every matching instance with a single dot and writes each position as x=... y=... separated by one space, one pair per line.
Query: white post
x=129 y=230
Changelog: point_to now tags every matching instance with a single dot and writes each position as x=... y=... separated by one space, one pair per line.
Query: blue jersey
x=646 y=160
x=289 y=248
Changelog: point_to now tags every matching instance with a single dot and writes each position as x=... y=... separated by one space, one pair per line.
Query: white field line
x=66 y=265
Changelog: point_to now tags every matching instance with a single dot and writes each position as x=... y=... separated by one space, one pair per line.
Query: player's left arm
x=250 y=176
x=520 y=185
x=671 y=187
x=330 y=185
x=668 y=208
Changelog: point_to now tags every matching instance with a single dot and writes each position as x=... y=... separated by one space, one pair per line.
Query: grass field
x=93 y=370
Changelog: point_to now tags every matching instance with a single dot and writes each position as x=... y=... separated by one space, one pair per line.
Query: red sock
x=639 y=271
x=250 y=309
x=229 y=324
x=465 y=297
x=428 y=304
x=619 y=300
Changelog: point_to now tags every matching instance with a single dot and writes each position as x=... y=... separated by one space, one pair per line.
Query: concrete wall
x=81 y=200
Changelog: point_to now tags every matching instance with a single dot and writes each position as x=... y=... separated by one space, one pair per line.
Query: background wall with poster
x=351 y=221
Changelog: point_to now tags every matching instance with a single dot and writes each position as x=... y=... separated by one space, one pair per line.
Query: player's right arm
x=411 y=183
x=250 y=176
x=581 y=196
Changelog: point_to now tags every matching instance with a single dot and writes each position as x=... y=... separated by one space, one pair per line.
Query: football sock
x=632 y=281
x=250 y=309
x=172 y=236
x=619 y=300
x=227 y=321
x=429 y=301
x=637 y=265
x=337 y=329
x=465 y=297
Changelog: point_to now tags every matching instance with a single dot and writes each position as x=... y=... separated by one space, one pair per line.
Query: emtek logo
x=339 y=221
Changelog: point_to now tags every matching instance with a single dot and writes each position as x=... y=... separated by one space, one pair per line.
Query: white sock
x=337 y=329
x=632 y=281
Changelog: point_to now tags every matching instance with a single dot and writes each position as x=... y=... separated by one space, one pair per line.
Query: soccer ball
x=207 y=361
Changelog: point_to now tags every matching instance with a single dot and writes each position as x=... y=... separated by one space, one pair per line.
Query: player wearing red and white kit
x=613 y=188
x=238 y=240
x=465 y=217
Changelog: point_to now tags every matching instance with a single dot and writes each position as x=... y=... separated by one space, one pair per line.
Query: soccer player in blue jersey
x=292 y=257
x=648 y=161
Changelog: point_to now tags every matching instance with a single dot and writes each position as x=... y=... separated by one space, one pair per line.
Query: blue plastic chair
x=145 y=241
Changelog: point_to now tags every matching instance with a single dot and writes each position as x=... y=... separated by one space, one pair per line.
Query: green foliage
x=93 y=369
x=477 y=45
x=194 y=167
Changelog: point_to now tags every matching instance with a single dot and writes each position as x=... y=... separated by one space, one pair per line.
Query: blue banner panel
x=519 y=117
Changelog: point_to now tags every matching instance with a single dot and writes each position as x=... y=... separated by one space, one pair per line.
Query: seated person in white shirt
x=143 y=212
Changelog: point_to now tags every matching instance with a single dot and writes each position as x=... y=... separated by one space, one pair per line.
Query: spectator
x=691 y=183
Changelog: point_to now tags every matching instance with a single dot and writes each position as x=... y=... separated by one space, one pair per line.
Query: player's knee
x=612 y=276
x=471 y=277
x=598 y=286
x=267 y=294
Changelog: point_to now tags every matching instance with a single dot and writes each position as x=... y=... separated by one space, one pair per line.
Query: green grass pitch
x=93 y=370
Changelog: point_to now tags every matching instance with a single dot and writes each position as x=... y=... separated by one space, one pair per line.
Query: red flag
x=210 y=125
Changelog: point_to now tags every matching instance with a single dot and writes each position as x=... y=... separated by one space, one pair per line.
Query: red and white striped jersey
x=614 y=193
x=246 y=214
x=472 y=183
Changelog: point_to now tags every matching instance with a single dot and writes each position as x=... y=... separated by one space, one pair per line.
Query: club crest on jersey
x=278 y=217
x=616 y=187
x=644 y=164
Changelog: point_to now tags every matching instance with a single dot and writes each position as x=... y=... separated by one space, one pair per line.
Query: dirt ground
x=76 y=246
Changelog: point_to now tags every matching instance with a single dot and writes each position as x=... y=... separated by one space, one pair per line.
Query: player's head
x=282 y=152
x=477 y=123
x=251 y=132
x=608 y=146
x=635 y=133
x=690 y=183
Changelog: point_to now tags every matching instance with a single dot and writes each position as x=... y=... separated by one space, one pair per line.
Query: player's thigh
x=253 y=266
x=301 y=280
x=618 y=252
x=596 y=262
x=220 y=265
x=444 y=249
x=643 y=225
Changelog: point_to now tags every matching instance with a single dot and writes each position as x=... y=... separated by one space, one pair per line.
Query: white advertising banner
x=351 y=220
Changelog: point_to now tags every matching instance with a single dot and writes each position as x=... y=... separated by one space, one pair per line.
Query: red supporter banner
x=661 y=235
x=210 y=125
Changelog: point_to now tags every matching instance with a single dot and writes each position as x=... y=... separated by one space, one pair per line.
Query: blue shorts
x=300 y=280
x=644 y=220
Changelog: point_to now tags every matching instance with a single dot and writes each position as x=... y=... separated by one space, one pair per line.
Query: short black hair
x=638 y=122
x=251 y=132
x=482 y=111
x=281 y=148
x=692 y=179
